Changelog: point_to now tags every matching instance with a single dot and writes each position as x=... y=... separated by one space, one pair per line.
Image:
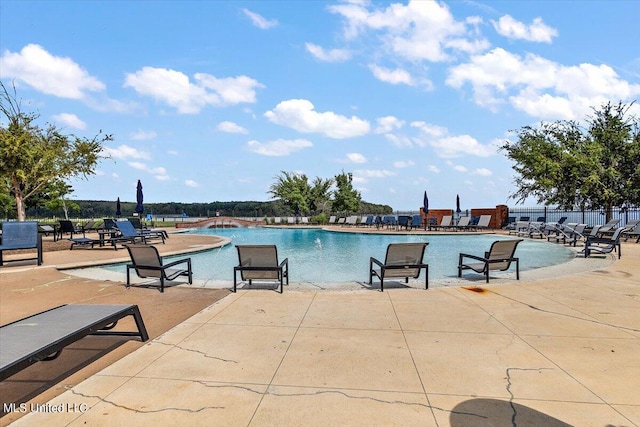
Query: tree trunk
x=22 y=215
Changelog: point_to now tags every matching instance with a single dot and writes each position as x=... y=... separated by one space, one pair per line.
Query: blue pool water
x=317 y=256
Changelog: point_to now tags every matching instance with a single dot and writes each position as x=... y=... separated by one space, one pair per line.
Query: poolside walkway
x=555 y=351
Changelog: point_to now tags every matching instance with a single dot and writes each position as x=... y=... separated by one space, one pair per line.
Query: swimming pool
x=318 y=256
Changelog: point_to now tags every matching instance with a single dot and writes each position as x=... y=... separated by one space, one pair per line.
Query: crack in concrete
x=542 y=310
x=514 y=411
x=197 y=352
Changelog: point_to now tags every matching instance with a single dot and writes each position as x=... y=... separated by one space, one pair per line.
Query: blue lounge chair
x=21 y=235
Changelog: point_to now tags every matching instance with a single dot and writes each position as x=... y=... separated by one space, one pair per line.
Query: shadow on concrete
x=494 y=412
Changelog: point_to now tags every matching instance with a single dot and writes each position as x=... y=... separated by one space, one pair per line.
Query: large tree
x=596 y=166
x=293 y=189
x=345 y=197
x=31 y=157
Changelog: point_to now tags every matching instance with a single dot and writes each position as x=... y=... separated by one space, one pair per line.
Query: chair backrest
x=332 y=219
x=464 y=221
x=595 y=230
x=616 y=235
x=541 y=219
x=145 y=256
x=446 y=221
x=524 y=218
x=609 y=225
x=416 y=221
x=126 y=228
x=258 y=256
x=66 y=226
x=369 y=220
x=291 y=220
x=109 y=223
x=405 y=254
x=632 y=225
x=403 y=220
x=23 y=233
x=305 y=220
x=484 y=221
x=277 y=220
x=502 y=249
x=135 y=221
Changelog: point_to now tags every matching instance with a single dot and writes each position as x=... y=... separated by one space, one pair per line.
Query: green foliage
x=596 y=167
x=294 y=190
x=320 y=219
x=345 y=197
x=32 y=157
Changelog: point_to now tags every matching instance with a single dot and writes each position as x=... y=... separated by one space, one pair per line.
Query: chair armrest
x=147 y=267
x=473 y=257
x=372 y=260
x=285 y=262
x=180 y=261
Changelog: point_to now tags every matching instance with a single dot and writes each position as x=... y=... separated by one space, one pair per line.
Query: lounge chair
x=277 y=220
x=403 y=222
x=48 y=229
x=483 y=223
x=129 y=233
x=604 y=245
x=499 y=257
x=260 y=262
x=147 y=262
x=69 y=227
x=21 y=235
x=291 y=220
x=632 y=230
x=569 y=233
x=332 y=219
x=445 y=222
x=304 y=220
x=403 y=260
x=416 y=222
x=368 y=222
x=463 y=223
x=511 y=223
x=609 y=227
x=44 y=335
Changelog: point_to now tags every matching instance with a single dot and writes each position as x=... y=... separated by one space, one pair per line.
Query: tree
x=320 y=195
x=32 y=157
x=345 y=197
x=293 y=189
x=592 y=167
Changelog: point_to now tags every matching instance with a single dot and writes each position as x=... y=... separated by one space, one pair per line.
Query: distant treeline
x=105 y=209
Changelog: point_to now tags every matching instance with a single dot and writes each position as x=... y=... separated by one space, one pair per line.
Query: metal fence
x=590 y=217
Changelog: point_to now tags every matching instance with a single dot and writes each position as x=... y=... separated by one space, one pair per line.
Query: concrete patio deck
x=556 y=351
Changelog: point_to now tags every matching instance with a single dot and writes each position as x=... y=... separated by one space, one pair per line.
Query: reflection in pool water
x=317 y=256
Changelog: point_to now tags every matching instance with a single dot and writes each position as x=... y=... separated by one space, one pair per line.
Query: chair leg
x=426 y=280
x=235 y=281
x=517 y=269
x=162 y=282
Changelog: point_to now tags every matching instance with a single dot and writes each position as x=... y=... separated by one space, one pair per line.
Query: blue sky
x=209 y=101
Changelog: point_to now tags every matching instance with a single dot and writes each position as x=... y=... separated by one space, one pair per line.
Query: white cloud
x=158 y=172
x=403 y=164
x=397 y=76
x=191 y=183
x=71 y=120
x=142 y=135
x=460 y=168
x=433 y=168
x=125 y=152
x=53 y=75
x=388 y=123
x=333 y=55
x=299 y=114
x=356 y=158
x=511 y=28
x=448 y=146
x=540 y=87
x=482 y=172
x=373 y=173
x=231 y=127
x=260 y=21
x=419 y=30
x=279 y=147
x=399 y=140
x=175 y=89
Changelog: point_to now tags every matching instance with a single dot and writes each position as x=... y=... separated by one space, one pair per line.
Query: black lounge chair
x=403 y=260
x=260 y=262
x=632 y=230
x=609 y=227
x=147 y=262
x=21 y=235
x=66 y=226
x=44 y=335
x=499 y=257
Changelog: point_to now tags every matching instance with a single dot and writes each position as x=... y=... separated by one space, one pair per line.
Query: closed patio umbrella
x=458 y=204
x=118 y=210
x=425 y=208
x=139 y=198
